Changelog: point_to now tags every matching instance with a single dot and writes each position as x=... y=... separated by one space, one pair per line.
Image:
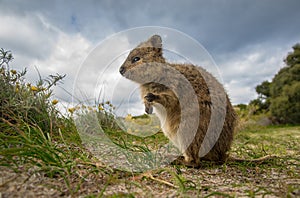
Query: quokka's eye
x=135 y=59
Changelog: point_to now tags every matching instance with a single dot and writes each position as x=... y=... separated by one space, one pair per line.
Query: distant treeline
x=281 y=97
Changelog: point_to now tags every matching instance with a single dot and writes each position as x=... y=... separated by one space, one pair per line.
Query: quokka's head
x=145 y=53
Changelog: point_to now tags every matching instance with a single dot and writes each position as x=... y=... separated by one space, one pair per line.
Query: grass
x=43 y=154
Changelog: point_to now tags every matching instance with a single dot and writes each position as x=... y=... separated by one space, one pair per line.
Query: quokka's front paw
x=148 y=109
x=150 y=97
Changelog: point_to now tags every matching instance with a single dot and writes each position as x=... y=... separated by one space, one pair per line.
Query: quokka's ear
x=155 y=41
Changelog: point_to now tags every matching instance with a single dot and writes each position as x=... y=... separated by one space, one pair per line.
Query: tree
x=263 y=100
x=293 y=58
x=281 y=96
x=263 y=90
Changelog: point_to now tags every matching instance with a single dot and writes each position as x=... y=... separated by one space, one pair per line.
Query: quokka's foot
x=180 y=161
x=150 y=97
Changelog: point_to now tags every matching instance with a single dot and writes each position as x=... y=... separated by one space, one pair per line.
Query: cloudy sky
x=247 y=40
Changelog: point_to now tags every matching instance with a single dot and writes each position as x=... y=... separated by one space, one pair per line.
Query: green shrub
x=31 y=127
x=21 y=102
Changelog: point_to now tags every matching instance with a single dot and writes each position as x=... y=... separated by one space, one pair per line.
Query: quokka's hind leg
x=188 y=160
x=181 y=160
x=216 y=157
x=191 y=161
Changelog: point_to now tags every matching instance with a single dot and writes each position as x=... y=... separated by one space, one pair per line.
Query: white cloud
x=66 y=57
x=35 y=42
x=243 y=71
x=26 y=35
x=67 y=54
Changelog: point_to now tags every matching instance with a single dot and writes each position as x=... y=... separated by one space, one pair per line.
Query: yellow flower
x=54 y=102
x=128 y=117
x=157 y=127
x=100 y=107
x=13 y=71
x=17 y=90
x=34 y=88
x=71 y=110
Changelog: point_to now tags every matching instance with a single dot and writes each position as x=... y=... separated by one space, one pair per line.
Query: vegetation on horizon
x=281 y=96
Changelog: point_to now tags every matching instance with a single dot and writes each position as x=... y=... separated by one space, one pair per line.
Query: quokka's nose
x=122 y=70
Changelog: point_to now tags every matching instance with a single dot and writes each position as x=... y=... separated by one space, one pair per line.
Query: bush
x=22 y=102
x=31 y=127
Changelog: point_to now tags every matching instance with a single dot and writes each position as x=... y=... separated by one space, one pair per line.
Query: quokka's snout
x=122 y=70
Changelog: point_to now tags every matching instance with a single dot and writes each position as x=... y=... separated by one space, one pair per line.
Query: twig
x=150 y=176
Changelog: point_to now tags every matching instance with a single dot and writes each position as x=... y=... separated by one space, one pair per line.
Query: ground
x=276 y=176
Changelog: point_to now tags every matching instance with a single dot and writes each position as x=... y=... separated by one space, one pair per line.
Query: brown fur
x=165 y=99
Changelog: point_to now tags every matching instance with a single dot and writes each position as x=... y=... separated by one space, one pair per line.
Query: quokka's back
x=183 y=96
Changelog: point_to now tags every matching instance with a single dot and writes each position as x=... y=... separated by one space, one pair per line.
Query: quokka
x=163 y=88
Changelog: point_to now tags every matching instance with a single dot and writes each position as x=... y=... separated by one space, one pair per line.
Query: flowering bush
x=22 y=102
